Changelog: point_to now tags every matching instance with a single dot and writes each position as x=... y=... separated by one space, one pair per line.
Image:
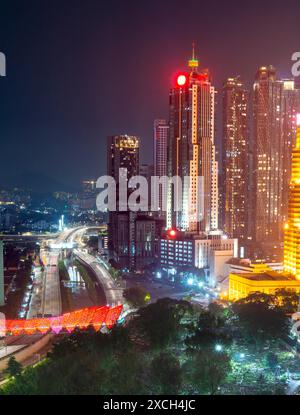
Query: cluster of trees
x=146 y=356
x=169 y=347
x=136 y=296
x=262 y=319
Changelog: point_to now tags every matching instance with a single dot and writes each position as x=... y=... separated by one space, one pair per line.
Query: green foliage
x=166 y=374
x=211 y=330
x=207 y=370
x=272 y=360
x=14 y=368
x=167 y=348
x=287 y=300
x=161 y=324
x=259 y=320
x=63 y=273
x=115 y=273
x=136 y=296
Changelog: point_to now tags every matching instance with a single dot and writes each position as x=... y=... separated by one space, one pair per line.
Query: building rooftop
x=267 y=276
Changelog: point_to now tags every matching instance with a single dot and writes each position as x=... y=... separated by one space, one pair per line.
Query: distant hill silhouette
x=36 y=182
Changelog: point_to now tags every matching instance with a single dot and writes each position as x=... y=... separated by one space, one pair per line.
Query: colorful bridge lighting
x=92 y=316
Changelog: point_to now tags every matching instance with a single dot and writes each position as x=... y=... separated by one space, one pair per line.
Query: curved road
x=112 y=293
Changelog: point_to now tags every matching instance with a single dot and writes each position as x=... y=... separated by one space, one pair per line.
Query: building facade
x=160 y=141
x=122 y=153
x=235 y=153
x=275 y=106
x=179 y=249
x=292 y=226
x=191 y=151
x=267 y=281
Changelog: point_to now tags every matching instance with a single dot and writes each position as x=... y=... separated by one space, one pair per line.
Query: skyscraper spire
x=193 y=63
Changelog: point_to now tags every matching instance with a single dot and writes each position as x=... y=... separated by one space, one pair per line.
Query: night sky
x=78 y=71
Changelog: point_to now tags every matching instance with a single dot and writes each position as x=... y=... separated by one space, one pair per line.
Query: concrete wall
x=218 y=265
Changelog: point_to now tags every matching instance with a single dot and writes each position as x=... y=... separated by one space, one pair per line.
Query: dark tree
x=136 y=296
x=211 y=330
x=287 y=300
x=166 y=374
x=207 y=370
x=163 y=323
x=260 y=321
x=272 y=360
x=14 y=368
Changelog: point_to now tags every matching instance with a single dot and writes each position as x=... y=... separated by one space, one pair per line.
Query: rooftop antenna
x=193 y=63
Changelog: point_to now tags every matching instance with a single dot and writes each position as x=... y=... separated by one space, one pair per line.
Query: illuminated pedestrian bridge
x=97 y=317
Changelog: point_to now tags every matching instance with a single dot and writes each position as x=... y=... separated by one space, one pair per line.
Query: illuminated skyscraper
x=268 y=145
x=275 y=104
x=160 y=136
x=290 y=107
x=122 y=152
x=235 y=151
x=292 y=226
x=191 y=150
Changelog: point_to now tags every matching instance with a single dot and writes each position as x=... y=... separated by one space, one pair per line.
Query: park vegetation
x=170 y=347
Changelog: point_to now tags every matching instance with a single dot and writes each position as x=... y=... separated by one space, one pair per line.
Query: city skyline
x=74 y=118
x=149 y=200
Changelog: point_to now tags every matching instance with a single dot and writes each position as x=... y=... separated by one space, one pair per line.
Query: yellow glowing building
x=292 y=227
x=265 y=281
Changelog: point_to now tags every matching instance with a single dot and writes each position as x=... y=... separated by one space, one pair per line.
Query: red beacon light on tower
x=172 y=233
x=181 y=80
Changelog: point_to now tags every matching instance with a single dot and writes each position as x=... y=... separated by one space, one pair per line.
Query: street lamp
x=218 y=348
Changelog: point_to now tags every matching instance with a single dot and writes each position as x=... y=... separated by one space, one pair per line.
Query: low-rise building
x=210 y=252
x=262 y=279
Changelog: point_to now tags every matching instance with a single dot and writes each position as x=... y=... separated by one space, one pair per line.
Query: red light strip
x=92 y=316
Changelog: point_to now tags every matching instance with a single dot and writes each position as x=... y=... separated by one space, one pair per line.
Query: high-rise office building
x=292 y=226
x=290 y=108
x=268 y=146
x=160 y=138
x=275 y=105
x=146 y=170
x=191 y=151
x=235 y=152
x=122 y=152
